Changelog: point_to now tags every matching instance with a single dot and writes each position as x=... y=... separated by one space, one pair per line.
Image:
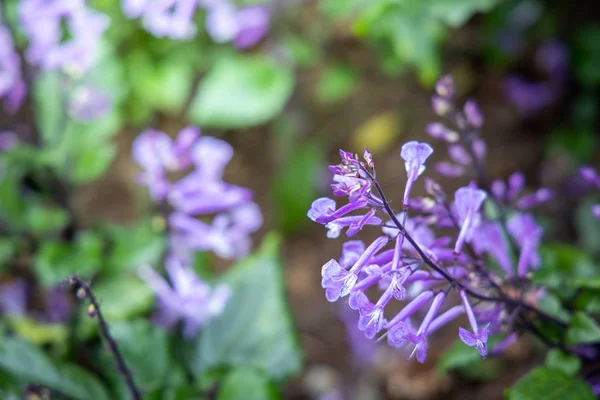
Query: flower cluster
x=43 y=22
x=200 y=193
x=408 y=263
x=225 y=21
x=12 y=86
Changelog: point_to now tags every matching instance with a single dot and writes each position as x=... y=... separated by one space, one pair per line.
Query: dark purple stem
x=104 y=329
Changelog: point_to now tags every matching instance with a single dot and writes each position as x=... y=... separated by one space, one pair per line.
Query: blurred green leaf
x=145 y=349
x=163 y=85
x=578 y=144
x=301 y=170
x=247 y=384
x=241 y=91
x=456 y=12
x=336 y=83
x=122 y=297
x=587 y=227
x=583 y=329
x=301 y=50
x=78 y=151
x=551 y=304
x=39 y=333
x=460 y=356
x=28 y=364
x=43 y=219
x=7 y=249
x=134 y=246
x=545 y=383
x=56 y=261
x=587 y=55
x=588 y=300
x=556 y=359
x=563 y=266
x=255 y=330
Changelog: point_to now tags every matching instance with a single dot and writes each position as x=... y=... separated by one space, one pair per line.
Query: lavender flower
x=42 y=23
x=527 y=233
x=420 y=269
x=225 y=21
x=88 y=104
x=414 y=155
x=477 y=338
x=188 y=298
x=467 y=202
x=13 y=298
x=12 y=86
x=201 y=192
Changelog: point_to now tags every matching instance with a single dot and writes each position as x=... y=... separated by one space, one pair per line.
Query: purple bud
x=473 y=114
x=449 y=170
x=459 y=154
x=369 y=158
x=441 y=106
x=445 y=86
x=479 y=148
x=596 y=211
x=91 y=311
x=437 y=130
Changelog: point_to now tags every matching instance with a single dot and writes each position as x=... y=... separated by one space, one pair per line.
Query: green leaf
x=42 y=219
x=544 y=383
x=301 y=170
x=457 y=12
x=459 y=355
x=134 y=246
x=122 y=297
x=583 y=329
x=560 y=361
x=241 y=91
x=563 y=266
x=588 y=300
x=56 y=261
x=39 y=333
x=7 y=249
x=28 y=364
x=255 y=329
x=588 y=228
x=587 y=55
x=336 y=83
x=145 y=349
x=247 y=384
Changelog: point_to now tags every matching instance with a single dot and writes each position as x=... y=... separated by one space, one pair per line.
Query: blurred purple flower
x=467 y=202
x=188 y=298
x=42 y=21
x=12 y=86
x=528 y=234
x=87 y=103
x=13 y=298
x=202 y=192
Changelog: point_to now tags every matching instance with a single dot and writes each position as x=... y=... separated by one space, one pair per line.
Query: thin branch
x=104 y=329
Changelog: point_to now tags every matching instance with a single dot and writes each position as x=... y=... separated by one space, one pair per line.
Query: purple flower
x=42 y=22
x=339 y=281
x=414 y=155
x=445 y=87
x=87 y=103
x=489 y=238
x=596 y=211
x=528 y=234
x=201 y=192
x=188 y=298
x=467 y=202
x=8 y=140
x=12 y=86
x=437 y=130
x=479 y=337
x=245 y=26
x=473 y=114
x=419 y=339
x=13 y=298
x=164 y=18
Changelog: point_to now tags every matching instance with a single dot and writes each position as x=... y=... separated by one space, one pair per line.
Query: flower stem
x=104 y=329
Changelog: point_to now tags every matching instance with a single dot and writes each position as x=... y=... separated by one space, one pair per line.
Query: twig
x=104 y=329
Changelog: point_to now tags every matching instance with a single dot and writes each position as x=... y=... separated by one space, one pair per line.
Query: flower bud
x=441 y=106
x=80 y=294
x=91 y=311
x=473 y=114
x=445 y=87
